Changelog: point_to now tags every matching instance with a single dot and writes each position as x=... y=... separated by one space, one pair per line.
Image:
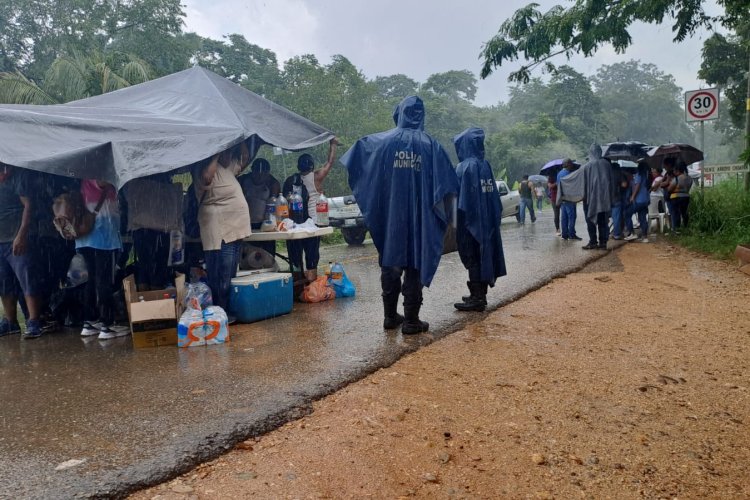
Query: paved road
x=130 y=417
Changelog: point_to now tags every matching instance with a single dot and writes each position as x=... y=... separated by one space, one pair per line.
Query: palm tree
x=74 y=77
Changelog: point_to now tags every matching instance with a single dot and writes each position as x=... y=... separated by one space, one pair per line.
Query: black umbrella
x=630 y=150
x=684 y=152
x=554 y=166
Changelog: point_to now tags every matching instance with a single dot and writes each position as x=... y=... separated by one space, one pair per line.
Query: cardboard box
x=153 y=321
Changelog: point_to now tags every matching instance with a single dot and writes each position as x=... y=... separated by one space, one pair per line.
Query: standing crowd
x=220 y=209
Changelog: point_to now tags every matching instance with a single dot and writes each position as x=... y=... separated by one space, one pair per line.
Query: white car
x=510 y=200
x=344 y=213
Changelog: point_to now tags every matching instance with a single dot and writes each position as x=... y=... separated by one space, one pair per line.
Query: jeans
x=641 y=209
x=539 y=203
x=221 y=267
x=617 y=220
x=568 y=219
x=411 y=288
x=526 y=203
x=100 y=288
x=680 y=212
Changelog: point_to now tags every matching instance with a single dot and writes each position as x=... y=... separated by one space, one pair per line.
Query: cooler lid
x=260 y=278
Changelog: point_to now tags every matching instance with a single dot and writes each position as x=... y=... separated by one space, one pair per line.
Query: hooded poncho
x=403 y=181
x=597 y=174
x=479 y=208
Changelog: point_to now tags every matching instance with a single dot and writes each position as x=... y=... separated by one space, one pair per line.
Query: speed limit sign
x=701 y=105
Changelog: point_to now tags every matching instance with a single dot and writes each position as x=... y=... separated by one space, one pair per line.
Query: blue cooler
x=258 y=296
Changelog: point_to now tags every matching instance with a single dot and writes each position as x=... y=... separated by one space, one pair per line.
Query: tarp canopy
x=154 y=127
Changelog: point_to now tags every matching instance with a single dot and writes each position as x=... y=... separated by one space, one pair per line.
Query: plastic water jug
x=269 y=217
x=321 y=211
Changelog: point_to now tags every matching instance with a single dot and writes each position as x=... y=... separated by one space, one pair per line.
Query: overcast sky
x=386 y=37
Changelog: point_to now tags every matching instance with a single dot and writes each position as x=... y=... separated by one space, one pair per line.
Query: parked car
x=510 y=200
x=344 y=213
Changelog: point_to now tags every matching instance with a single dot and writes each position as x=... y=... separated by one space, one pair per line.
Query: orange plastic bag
x=318 y=291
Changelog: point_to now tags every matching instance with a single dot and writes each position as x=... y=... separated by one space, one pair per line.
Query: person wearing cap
x=258 y=186
x=311 y=183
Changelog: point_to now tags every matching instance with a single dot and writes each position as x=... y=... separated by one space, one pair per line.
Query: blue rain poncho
x=479 y=207
x=403 y=181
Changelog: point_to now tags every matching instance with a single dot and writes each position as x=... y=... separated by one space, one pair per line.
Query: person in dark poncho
x=404 y=184
x=479 y=211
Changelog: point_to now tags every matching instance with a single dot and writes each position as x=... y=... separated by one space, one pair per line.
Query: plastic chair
x=661 y=218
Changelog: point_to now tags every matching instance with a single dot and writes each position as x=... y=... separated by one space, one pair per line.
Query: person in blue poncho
x=404 y=184
x=479 y=211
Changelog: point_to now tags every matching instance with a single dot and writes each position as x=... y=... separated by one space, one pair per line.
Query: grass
x=719 y=220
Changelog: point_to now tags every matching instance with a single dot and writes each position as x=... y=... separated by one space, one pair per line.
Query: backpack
x=71 y=217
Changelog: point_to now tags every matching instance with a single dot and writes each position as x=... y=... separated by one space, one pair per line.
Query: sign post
x=702 y=105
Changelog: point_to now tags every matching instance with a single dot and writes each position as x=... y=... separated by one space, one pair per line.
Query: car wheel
x=354 y=236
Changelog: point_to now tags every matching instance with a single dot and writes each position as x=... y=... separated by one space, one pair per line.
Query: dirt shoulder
x=629 y=379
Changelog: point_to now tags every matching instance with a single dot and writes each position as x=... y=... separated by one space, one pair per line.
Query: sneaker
x=50 y=326
x=589 y=246
x=558 y=233
x=33 y=329
x=617 y=238
x=644 y=240
x=113 y=331
x=91 y=329
x=575 y=237
x=8 y=328
x=631 y=237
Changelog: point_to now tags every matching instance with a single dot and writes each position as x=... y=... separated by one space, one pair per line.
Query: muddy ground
x=626 y=380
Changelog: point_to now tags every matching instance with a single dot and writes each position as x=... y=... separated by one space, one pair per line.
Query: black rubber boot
x=392 y=318
x=412 y=323
x=478 y=299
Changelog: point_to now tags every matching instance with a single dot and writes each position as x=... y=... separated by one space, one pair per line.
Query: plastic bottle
x=321 y=211
x=282 y=208
x=269 y=218
x=328 y=269
x=176 y=248
x=296 y=206
x=337 y=274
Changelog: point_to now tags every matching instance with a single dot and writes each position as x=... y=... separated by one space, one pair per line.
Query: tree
x=641 y=103
x=33 y=33
x=586 y=26
x=396 y=87
x=240 y=61
x=454 y=84
x=75 y=77
x=725 y=60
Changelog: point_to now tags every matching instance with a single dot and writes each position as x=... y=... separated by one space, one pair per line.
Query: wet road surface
x=99 y=418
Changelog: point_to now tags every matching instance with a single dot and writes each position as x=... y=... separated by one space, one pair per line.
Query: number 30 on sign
x=702 y=105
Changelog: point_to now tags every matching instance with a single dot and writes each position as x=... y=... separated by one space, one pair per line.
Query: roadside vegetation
x=719 y=220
